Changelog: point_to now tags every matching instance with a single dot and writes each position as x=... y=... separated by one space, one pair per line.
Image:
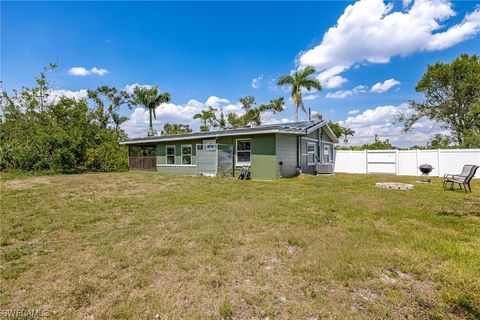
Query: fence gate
x=381 y=161
x=214 y=160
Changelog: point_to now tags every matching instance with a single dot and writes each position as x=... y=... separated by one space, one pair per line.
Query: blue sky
x=212 y=52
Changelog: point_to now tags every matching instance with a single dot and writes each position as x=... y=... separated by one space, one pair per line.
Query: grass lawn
x=134 y=245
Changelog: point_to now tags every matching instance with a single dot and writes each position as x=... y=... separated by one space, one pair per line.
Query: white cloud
x=78 y=71
x=130 y=87
x=334 y=82
x=380 y=87
x=310 y=97
x=354 y=111
x=382 y=121
x=137 y=125
x=215 y=101
x=256 y=82
x=370 y=31
x=99 y=71
x=341 y=94
x=55 y=95
x=81 y=71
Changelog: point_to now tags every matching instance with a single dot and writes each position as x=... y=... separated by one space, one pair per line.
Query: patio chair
x=463 y=178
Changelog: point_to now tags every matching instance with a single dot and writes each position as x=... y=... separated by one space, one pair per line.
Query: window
x=170 y=154
x=311 y=154
x=326 y=153
x=187 y=154
x=243 y=152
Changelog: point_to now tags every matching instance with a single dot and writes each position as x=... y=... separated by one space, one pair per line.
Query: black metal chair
x=463 y=178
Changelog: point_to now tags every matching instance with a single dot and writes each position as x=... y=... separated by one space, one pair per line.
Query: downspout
x=298 y=151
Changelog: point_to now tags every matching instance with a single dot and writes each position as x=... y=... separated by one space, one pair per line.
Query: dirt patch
x=20 y=184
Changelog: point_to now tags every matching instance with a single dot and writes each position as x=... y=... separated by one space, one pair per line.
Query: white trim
x=176 y=165
x=167 y=155
x=241 y=164
x=310 y=139
x=181 y=153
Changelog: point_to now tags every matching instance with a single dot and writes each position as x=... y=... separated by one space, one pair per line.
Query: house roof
x=296 y=128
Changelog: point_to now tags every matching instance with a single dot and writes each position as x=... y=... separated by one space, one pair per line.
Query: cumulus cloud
x=130 y=87
x=310 y=97
x=256 y=82
x=81 y=71
x=380 y=87
x=137 y=125
x=370 y=31
x=341 y=94
x=354 y=111
x=216 y=102
x=382 y=121
x=55 y=95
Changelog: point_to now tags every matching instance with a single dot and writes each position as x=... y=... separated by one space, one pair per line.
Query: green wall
x=263 y=157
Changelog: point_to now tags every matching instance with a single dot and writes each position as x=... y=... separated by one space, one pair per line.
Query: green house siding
x=267 y=150
x=177 y=168
x=264 y=159
x=286 y=154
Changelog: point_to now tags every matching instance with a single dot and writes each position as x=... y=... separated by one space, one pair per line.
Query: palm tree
x=318 y=116
x=150 y=98
x=118 y=120
x=207 y=117
x=297 y=81
x=347 y=132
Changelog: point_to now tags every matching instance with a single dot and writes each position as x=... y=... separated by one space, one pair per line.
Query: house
x=270 y=151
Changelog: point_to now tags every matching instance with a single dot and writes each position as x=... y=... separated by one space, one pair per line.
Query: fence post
x=396 y=162
x=438 y=162
x=366 y=161
x=416 y=162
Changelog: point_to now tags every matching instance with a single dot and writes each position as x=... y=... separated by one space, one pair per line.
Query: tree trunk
x=295 y=111
x=150 y=130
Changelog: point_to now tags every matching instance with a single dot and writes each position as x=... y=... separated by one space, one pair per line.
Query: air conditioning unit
x=324 y=168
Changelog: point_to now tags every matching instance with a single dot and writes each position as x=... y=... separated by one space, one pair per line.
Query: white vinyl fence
x=406 y=162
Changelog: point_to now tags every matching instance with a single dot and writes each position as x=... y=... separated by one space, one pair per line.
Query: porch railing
x=142 y=162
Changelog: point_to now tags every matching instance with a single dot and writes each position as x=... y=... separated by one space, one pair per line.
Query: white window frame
x=240 y=164
x=309 y=143
x=167 y=155
x=182 y=154
x=327 y=147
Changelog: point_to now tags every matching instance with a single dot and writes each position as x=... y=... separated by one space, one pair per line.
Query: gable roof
x=295 y=128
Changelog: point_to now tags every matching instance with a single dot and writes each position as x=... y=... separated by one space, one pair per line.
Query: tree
x=297 y=81
x=452 y=99
x=207 y=118
x=114 y=99
x=60 y=135
x=175 y=128
x=378 y=145
x=340 y=131
x=252 y=114
x=222 y=122
x=150 y=98
x=117 y=120
x=440 y=141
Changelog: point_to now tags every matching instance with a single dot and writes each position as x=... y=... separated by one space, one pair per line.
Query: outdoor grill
x=425 y=169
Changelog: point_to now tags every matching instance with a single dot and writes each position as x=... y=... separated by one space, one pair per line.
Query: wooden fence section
x=142 y=162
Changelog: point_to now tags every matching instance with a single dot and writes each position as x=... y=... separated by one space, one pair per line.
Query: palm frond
x=307 y=71
x=310 y=84
x=283 y=80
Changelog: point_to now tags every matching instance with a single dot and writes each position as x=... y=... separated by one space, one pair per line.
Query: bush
x=57 y=135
